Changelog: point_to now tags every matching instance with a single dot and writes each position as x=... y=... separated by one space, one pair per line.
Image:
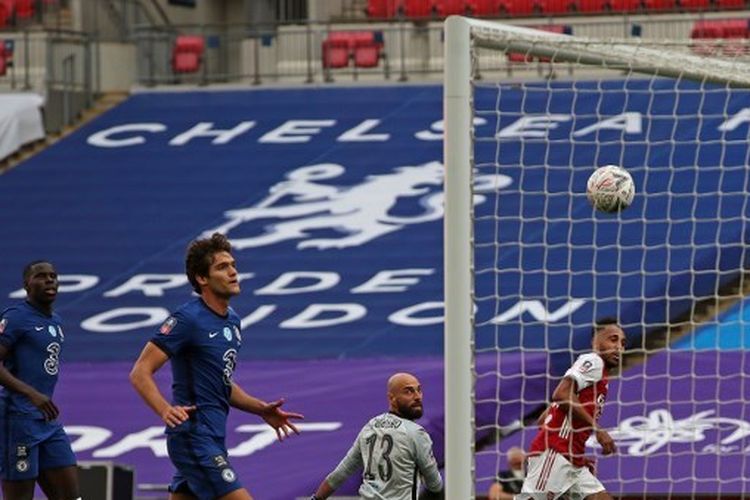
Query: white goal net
x=531 y=269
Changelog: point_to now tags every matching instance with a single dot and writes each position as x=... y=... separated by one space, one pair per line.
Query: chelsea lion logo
x=227 y=333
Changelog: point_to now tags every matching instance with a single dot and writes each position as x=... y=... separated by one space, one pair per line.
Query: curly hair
x=200 y=256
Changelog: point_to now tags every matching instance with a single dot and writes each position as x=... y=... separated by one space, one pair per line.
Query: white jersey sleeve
x=586 y=371
x=350 y=464
x=426 y=462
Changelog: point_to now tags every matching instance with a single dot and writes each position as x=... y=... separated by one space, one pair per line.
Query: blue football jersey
x=202 y=346
x=34 y=342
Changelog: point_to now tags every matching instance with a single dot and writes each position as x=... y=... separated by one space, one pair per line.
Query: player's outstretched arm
x=272 y=413
x=43 y=403
x=142 y=377
x=348 y=466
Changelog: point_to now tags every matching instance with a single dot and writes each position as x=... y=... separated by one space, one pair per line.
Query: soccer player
x=557 y=464
x=392 y=449
x=33 y=445
x=202 y=338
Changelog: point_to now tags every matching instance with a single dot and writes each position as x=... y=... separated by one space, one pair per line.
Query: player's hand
x=279 y=419
x=590 y=464
x=608 y=444
x=45 y=405
x=175 y=415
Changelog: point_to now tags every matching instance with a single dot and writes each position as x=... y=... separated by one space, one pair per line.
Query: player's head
x=405 y=396
x=608 y=340
x=40 y=282
x=210 y=267
x=516 y=458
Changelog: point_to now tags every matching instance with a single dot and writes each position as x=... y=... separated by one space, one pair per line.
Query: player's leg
x=241 y=494
x=60 y=483
x=182 y=496
x=58 y=473
x=18 y=490
x=602 y=495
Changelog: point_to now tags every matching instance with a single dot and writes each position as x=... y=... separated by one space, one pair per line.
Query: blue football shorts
x=31 y=445
x=203 y=468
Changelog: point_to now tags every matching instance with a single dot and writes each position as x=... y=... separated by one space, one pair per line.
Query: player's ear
x=202 y=280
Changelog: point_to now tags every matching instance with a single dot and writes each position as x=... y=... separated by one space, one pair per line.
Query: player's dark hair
x=200 y=256
x=28 y=267
x=603 y=322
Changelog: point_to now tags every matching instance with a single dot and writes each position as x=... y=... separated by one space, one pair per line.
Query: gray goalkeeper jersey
x=393 y=453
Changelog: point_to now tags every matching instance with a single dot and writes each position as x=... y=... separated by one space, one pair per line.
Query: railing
x=293 y=53
x=57 y=64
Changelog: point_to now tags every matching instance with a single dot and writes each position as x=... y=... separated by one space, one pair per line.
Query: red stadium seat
x=447 y=8
x=364 y=47
x=705 y=31
x=730 y=4
x=24 y=9
x=484 y=7
x=555 y=7
x=366 y=54
x=625 y=5
x=4 y=59
x=417 y=8
x=520 y=8
x=695 y=4
x=335 y=53
x=659 y=5
x=4 y=14
x=382 y=8
x=592 y=6
x=187 y=54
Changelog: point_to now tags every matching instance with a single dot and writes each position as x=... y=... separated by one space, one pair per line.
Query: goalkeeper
x=392 y=450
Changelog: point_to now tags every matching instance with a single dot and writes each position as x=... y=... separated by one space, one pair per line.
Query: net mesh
x=670 y=267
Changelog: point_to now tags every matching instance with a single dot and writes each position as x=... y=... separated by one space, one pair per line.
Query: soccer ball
x=610 y=189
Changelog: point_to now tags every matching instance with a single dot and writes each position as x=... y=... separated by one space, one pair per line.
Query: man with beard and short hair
x=392 y=450
x=201 y=340
x=33 y=445
x=557 y=465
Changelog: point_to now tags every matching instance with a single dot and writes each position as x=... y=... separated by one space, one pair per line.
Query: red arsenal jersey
x=558 y=432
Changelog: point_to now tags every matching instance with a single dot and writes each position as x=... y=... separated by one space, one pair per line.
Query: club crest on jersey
x=586 y=366
x=3 y=324
x=227 y=333
x=52 y=330
x=228 y=475
x=167 y=326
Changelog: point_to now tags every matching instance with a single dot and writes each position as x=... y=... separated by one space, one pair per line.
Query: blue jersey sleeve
x=174 y=334
x=10 y=329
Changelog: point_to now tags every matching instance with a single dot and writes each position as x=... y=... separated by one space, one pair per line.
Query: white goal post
x=463 y=37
